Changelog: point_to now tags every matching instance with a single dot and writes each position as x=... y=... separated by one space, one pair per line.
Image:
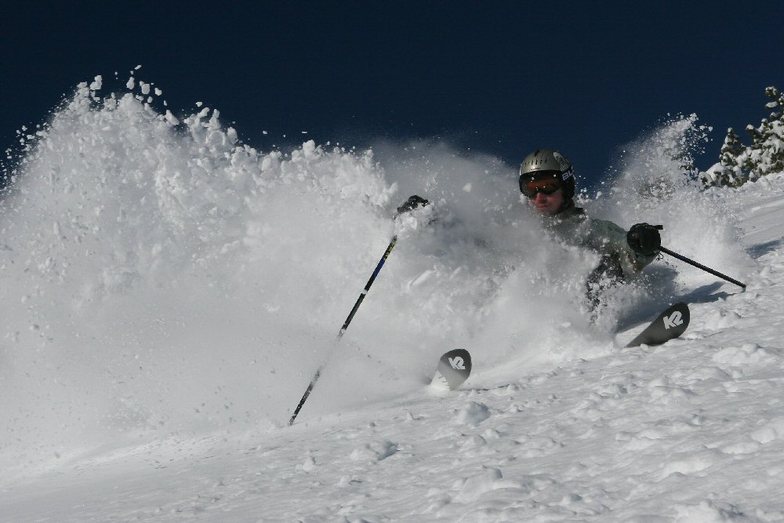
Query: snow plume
x=169 y=278
x=160 y=277
x=654 y=183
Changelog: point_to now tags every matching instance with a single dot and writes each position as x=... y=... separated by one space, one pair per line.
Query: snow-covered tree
x=728 y=171
x=772 y=135
x=765 y=155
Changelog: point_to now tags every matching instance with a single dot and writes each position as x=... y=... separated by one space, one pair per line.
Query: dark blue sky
x=496 y=77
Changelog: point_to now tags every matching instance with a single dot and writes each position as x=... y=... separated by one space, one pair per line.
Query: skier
x=547 y=180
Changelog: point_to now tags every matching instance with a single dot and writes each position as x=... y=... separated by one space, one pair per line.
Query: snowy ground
x=690 y=431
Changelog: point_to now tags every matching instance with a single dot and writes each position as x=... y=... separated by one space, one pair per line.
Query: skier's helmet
x=544 y=164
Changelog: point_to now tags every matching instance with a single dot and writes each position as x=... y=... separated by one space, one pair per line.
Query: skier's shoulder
x=589 y=224
x=595 y=232
x=605 y=227
x=575 y=224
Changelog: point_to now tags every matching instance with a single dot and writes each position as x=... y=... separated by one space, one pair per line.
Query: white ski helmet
x=546 y=163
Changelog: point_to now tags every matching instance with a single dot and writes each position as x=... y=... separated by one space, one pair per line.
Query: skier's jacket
x=574 y=227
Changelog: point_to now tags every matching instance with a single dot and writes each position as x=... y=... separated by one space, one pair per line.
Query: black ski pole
x=345 y=325
x=700 y=266
x=412 y=203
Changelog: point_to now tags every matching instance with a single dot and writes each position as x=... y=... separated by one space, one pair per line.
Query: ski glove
x=412 y=203
x=644 y=239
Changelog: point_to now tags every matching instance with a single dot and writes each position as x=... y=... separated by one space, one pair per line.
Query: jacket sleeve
x=610 y=239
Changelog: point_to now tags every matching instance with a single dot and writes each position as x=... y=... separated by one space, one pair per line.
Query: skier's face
x=548 y=204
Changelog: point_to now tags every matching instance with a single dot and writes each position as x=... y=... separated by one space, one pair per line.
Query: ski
x=668 y=325
x=453 y=369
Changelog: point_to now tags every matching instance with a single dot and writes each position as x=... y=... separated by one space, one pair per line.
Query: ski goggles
x=548 y=186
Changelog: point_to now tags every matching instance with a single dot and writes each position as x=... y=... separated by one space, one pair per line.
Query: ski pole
x=412 y=203
x=345 y=326
x=700 y=266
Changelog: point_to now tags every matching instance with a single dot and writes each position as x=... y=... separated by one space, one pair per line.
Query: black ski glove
x=644 y=239
x=412 y=203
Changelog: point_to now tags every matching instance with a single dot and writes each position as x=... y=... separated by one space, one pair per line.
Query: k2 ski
x=669 y=325
x=453 y=369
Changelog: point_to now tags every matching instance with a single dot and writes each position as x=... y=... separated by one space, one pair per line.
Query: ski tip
x=668 y=325
x=453 y=369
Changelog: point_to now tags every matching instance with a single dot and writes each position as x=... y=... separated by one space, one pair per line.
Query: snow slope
x=171 y=291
